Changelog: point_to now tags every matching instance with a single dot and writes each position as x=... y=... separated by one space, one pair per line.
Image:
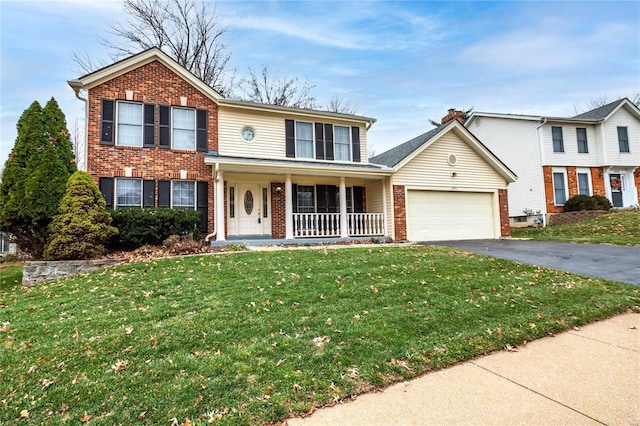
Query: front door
x=615 y=181
x=252 y=206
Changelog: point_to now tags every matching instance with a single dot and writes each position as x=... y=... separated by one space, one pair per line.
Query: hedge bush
x=138 y=227
x=585 y=202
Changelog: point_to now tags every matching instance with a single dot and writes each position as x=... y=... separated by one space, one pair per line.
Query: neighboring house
x=595 y=153
x=159 y=136
x=6 y=246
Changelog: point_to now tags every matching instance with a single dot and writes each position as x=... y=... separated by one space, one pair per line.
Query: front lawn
x=622 y=228
x=251 y=338
x=10 y=275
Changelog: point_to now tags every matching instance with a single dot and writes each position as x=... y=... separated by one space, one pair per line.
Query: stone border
x=34 y=272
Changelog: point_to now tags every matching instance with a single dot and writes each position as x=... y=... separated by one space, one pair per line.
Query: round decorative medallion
x=452 y=159
x=248 y=134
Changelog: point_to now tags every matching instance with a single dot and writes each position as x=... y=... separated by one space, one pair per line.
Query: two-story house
x=158 y=136
x=555 y=158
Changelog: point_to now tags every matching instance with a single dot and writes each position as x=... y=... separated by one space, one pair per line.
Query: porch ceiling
x=297 y=167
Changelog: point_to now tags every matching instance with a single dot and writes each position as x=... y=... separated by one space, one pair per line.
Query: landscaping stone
x=34 y=272
x=574 y=217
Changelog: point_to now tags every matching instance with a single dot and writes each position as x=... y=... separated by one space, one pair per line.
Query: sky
x=402 y=63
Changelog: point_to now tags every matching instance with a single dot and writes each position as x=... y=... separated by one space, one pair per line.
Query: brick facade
x=399 y=213
x=278 y=210
x=503 y=201
x=155 y=84
x=636 y=178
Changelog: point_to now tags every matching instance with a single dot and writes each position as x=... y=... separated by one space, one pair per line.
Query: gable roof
x=600 y=113
x=400 y=155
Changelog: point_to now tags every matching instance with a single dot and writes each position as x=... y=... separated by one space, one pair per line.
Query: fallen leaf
x=24 y=414
x=142 y=415
x=510 y=348
x=329 y=321
x=85 y=418
x=46 y=383
x=119 y=365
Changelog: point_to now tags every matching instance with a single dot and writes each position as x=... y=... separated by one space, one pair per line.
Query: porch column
x=344 y=227
x=220 y=225
x=384 y=206
x=288 y=208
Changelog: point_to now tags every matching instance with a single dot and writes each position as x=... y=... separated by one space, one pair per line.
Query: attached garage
x=441 y=215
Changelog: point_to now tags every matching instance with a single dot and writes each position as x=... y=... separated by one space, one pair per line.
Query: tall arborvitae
x=56 y=127
x=34 y=178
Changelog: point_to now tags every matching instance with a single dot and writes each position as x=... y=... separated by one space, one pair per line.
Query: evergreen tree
x=56 y=128
x=82 y=227
x=34 y=178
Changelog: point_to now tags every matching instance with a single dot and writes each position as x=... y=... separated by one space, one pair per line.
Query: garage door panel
x=440 y=215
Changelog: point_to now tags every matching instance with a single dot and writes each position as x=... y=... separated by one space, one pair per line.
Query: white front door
x=252 y=207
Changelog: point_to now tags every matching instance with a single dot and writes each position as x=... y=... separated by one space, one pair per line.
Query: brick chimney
x=453 y=115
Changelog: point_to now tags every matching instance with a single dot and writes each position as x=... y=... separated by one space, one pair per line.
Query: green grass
x=10 y=275
x=253 y=338
x=622 y=228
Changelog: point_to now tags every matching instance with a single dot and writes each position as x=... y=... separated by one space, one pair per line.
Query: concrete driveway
x=617 y=263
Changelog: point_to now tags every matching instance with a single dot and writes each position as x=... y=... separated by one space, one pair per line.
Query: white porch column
x=344 y=227
x=288 y=208
x=219 y=202
x=384 y=207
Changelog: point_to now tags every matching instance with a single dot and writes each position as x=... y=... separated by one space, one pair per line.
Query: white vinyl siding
x=613 y=156
x=128 y=192
x=184 y=129
x=342 y=143
x=129 y=121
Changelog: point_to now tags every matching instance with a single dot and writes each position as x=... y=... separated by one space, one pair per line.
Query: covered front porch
x=289 y=201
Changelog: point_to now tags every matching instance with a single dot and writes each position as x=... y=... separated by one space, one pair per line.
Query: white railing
x=328 y=224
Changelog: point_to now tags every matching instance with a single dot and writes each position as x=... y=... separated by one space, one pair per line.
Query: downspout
x=215 y=179
x=541 y=154
x=76 y=85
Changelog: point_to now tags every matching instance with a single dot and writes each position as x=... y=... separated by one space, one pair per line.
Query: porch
x=257 y=241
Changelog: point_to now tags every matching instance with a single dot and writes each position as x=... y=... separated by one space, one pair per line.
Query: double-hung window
x=128 y=192
x=584 y=181
x=623 y=139
x=558 y=142
x=342 y=141
x=581 y=134
x=184 y=129
x=129 y=132
x=305 y=199
x=183 y=194
x=304 y=140
x=559 y=188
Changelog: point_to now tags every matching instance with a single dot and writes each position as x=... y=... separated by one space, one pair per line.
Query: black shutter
x=333 y=203
x=328 y=141
x=290 y=138
x=106 y=188
x=294 y=197
x=165 y=126
x=319 y=141
x=149 y=140
x=203 y=204
x=148 y=193
x=106 y=131
x=321 y=199
x=164 y=193
x=201 y=129
x=358 y=199
x=355 y=143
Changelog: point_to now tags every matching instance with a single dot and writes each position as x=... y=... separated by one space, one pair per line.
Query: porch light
x=278 y=188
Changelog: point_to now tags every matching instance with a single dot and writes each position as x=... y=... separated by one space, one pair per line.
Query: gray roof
x=600 y=112
x=395 y=155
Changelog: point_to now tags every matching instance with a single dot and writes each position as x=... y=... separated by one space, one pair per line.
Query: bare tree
x=602 y=101
x=276 y=90
x=76 y=134
x=187 y=30
x=342 y=106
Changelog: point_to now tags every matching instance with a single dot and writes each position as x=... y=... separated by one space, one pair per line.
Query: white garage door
x=439 y=215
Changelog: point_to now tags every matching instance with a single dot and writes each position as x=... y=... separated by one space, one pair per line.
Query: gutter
x=541 y=154
x=76 y=85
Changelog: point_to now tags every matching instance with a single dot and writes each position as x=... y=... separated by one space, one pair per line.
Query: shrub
x=180 y=244
x=580 y=202
x=602 y=203
x=82 y=227
x=153 y=225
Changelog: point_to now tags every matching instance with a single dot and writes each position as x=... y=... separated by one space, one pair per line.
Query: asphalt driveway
x=617 y=263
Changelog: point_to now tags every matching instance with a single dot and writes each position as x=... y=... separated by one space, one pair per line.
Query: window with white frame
x=583 y=146
x=128 y=192
x=584 y=181
x=559 y=187
x=305 y=199
x=129 y=131
x=558 y=141
x=183 y=194
x=342 y=143
x=623 y=139
x=184 y=128
x=304 y=140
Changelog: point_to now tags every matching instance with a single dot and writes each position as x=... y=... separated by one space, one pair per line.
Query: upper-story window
x=558 y=142
x=342 y=142
x=129 y=130
x=581 y=134
x=304 y=140
x=623 y=139
x=184 y=129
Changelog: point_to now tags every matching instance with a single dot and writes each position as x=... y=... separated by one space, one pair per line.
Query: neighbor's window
x=558 y=142
x=584 y=188
x=128 y=192
x=342 y=143
x=559 y=188
x=184 y=129
x=581 y=134
x=304 y=140
x=623 y=139
x=129 y=131
x=183 y=194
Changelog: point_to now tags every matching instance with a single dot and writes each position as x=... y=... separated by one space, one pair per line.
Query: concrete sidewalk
x=578 y=377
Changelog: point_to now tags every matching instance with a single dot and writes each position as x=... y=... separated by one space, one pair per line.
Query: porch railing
x=328 y=224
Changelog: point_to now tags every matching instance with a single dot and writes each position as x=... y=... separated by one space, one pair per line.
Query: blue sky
x=402 y=62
